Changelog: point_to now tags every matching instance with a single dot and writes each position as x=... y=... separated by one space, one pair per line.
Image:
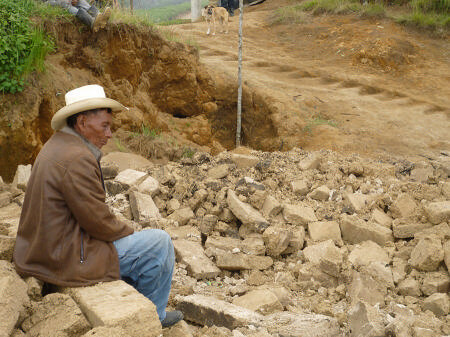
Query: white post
x=195 y=10
x=239 y=102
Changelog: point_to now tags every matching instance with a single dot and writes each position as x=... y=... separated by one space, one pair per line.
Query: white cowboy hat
x=82 y=99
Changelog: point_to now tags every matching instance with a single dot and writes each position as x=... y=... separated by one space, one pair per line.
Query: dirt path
x=340 y=82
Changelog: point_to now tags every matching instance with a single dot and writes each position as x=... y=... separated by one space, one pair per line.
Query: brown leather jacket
x=66 y=230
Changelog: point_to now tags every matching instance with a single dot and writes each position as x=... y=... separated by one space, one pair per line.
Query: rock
x=126 y=161
x=445 y=189
x=312 y=162
x=283 y=295
x=298 y=214
x=403 y=206
x=172 y=205
x=446 y=248
x=6 y=247
x=55 y=314
x=210 y=311
x=13 y=297
x=244 y=161
x=117 y=304
x=224 y=243
x=257 y=197
x=142 y=207
x=381 y=218
x=239 y=261
x=184 y=232
x=249 y=216
x=149 y=186
x=355 y=201
x=129 y=177
x=22 y=176
x=277 y=240
x=5 y=198
x=355 y=230
x=218 y=172
x=182 y=215
x=437 y=303
x=381 y=272
x=198 y=198
x=290 y=324
x=300 y=187
x=409 y=287
x=262 y=301
x=193 y=256
x=297 y=241
x=404 y=228
x=271 y=207
x=367 y=252
x=102 y=331
x=435 y=282
x=253 y=244
x=110 y=171
x=422 y=174
x=325 y=230
x=427 y=254
x=438 y=212
x=365 y=320
x=251 y=184
x=325 y=255
x=321 y=193
x=360 y=283
x=34 y=288
x=181 y=329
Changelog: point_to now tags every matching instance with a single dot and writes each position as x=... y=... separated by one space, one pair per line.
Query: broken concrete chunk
x=299 y=214
x=325 y=230
x=244 y=161
x=437 y=303
x=249 y=216
x=321 y=193
x=438 y=212
x=355 y=230
x=427 y=254
x=367 y=252
x=142 y=207
x=22 y=176
x=193 y=256
x=149 y=186
x=56 y=313
x=271 y=207
x=182 y=215
x=210 y=311
x=404 y=228
x=300 y=187
x=262 y=301
x=404 y=206
x=130 y=177
x=117 y=304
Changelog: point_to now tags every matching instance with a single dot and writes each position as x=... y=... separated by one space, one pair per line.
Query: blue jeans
x=146 y=262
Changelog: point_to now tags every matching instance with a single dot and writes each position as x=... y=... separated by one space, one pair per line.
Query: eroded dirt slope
x=340 y=82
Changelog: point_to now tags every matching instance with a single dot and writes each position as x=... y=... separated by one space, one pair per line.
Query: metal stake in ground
x=239 y=103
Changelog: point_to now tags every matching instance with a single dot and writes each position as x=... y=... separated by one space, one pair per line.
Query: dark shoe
x=172 y=317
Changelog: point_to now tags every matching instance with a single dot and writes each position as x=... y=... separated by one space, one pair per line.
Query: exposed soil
x=337 y=82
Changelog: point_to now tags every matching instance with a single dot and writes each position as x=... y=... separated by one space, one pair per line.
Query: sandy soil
x=340 y=82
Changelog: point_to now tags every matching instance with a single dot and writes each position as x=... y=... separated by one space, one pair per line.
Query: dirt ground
x=340 y=82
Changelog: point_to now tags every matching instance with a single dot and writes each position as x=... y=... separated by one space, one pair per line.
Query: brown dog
x=215 y=14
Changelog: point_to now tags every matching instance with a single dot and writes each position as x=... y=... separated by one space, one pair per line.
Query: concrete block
x=182 y=215
x=22 y=176
x=290 y=324
x=239 y=261
x=249 y=216
x=438 y=303
x=355 y=230
x=325 y=230
x=193 y=256
x=438 y=212
x=149 y=186
x=427 y=254
x=244 y=161
x=405 y=229
x=299 y=214
x=130 y=177
x=118 y=304
x=404 y=206
x=6 y=247
x=321 y=193
x=300 y=187
x=142 y=207
x=366 y=252
x=56 y=315
x=381 y=218
x=210 y=311
x=261 y=300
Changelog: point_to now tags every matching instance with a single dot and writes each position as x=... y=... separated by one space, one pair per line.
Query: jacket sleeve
x=85 y=197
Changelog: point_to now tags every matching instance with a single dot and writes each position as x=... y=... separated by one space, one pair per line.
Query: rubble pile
x=267 y=244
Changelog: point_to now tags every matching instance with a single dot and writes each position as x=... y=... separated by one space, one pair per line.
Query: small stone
x=299 y=214
x=437 y=303
x=300 y=187
x=428 y=254
x=438 y=212
x=403 y=206
x=325 y=230
x=321 y=193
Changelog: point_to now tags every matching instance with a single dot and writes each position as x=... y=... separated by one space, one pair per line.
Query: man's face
x=95 y=127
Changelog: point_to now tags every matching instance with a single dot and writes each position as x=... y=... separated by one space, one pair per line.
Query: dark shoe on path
x=172 y=317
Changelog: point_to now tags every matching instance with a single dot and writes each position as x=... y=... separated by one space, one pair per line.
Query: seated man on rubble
x=87 y=14
x=67 y=235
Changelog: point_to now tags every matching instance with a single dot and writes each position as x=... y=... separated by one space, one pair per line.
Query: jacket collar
x=94 y=149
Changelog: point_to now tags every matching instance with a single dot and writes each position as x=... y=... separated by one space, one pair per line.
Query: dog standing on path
x=215 y=14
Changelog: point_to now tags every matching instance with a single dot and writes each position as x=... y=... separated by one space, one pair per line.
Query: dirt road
x=339 y=82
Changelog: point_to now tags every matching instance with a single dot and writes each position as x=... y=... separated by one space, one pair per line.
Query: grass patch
x=319 y=120
x=288 y=15
x=188 y=152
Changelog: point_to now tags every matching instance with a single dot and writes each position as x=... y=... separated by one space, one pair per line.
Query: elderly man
x=67 y=235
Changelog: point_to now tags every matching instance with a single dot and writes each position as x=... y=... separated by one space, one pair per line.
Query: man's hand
x=74 y=2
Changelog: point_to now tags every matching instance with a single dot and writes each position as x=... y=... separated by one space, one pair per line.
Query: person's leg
x=147 y=259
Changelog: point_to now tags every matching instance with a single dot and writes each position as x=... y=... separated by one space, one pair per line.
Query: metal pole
x=239 y=102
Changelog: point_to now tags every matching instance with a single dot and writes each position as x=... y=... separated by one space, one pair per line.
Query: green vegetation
x=23 y=45
x=146 y=131
x=188 y=152
x=318 y=120
x=432 y=14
